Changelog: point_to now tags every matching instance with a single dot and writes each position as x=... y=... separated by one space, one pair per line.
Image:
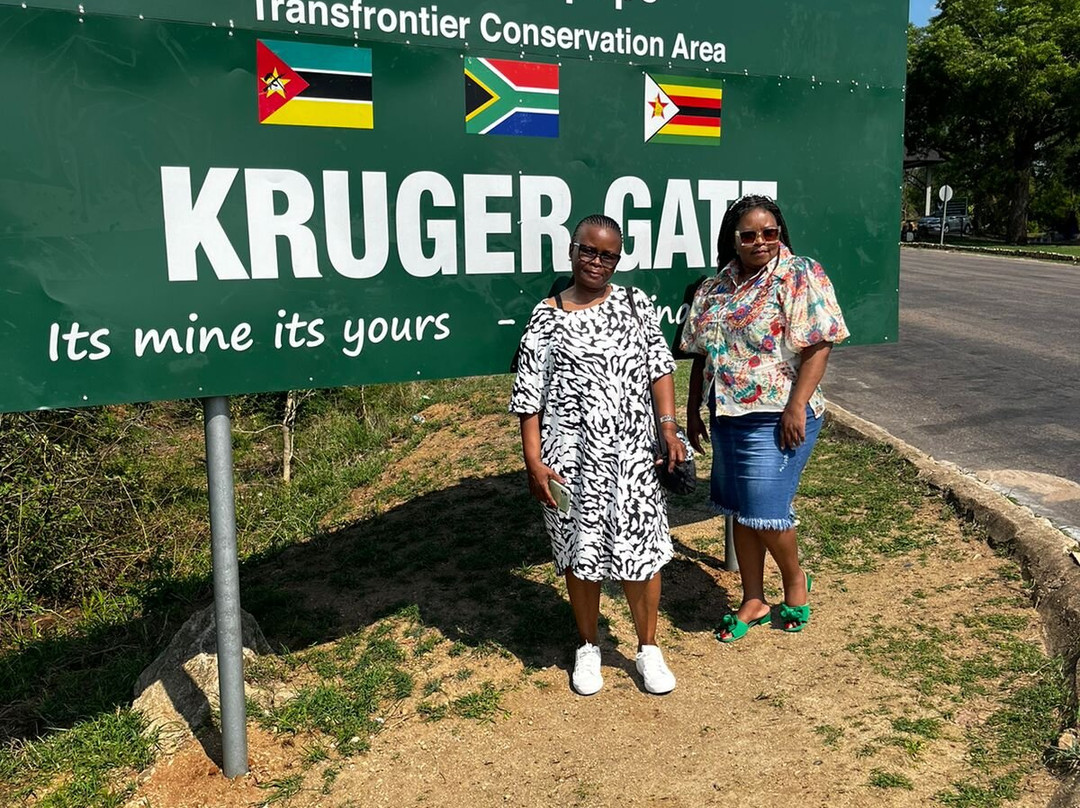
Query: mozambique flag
x=504 y=97
x=680 y=109
x=314 y=85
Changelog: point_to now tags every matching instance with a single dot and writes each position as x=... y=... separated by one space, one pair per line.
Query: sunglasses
x=768 y=234
x=588 y=254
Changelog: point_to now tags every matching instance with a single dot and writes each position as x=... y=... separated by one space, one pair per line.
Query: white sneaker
x=587 y=679
x=658 y=677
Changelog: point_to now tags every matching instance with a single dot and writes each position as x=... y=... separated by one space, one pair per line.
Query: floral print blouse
x=752 y=334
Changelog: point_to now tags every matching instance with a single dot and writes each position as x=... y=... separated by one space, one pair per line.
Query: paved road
x=986 y=375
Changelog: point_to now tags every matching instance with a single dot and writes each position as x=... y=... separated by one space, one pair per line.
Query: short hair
x=725 y=242
x=597 y=220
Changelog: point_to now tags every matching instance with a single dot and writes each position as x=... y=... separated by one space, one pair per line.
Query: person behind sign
x=761 y=331
x=581 y=393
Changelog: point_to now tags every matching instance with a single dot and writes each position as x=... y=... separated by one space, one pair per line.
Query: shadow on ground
x=473 y=557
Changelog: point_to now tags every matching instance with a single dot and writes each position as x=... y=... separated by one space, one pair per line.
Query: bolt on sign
x=224 y=196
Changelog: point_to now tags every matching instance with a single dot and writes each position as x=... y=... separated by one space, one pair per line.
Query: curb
x=1040 y=548
x=1008 y=252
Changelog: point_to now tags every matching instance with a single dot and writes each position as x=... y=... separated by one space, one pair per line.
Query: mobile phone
x=561 y=494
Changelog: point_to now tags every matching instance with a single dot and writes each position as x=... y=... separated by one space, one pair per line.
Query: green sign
x=215 y=197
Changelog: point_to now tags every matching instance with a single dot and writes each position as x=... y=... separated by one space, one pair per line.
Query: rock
x=1067 y=740
x=179 y=690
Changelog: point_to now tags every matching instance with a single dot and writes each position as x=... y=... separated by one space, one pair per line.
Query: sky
x=919 y=11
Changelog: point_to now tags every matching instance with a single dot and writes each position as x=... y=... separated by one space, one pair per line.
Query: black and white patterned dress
x=587 y=371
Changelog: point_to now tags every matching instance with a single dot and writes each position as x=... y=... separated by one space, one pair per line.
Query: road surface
x=986 y=374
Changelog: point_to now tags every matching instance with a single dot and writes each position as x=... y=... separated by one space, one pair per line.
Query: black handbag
x=682 y=479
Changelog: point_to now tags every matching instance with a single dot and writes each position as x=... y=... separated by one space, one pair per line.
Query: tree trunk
x=1017 y=224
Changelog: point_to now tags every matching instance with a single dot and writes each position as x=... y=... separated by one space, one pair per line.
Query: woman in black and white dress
x=581 y=392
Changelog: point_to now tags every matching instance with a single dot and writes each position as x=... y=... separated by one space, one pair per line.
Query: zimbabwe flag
x=681 y=109
x=504 y=97
x=314 y=85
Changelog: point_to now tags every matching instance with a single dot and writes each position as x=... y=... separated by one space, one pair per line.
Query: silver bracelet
x=667 y=419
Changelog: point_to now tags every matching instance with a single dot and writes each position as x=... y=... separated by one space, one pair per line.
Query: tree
x=995 y=83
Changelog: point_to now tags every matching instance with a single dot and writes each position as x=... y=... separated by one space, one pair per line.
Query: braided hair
x=725 y=242
x=598 y=220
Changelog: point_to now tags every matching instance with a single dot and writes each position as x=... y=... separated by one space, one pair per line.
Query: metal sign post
x=230 y=644
x=731 y=561
x=944 y=194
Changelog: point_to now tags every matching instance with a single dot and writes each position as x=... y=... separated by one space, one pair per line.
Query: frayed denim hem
x=720 y=509
x=765 y=524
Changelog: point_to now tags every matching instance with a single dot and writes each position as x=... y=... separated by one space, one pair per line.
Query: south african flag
x=504 y=97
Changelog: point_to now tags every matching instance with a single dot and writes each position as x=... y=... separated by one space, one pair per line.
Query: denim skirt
x=753 y=479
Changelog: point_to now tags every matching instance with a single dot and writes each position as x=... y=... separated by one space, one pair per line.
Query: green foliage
x=77 y=768
x=112 y=500
x=480 y=705
x=924 y=727
x=854 y=518
x=883 y=779
x=69 y=502
x=353 y=683
x=994 y=86
x=830 y=735
x=1030 y=691
x=62 y=678
x=284 y=789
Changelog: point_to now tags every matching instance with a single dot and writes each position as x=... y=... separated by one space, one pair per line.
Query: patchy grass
x=284 y=789
x=84 y=767
x=407 y=562
x=929 y=728
x=483 y=704
x=998 y=246
x=949 y=669
x=858 y=504
x=62 y=669
x=830 y=735
x=883 y=779
x=351 y=686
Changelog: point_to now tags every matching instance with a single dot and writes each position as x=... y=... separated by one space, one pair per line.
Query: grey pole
x=230 y=644
x=731 y=562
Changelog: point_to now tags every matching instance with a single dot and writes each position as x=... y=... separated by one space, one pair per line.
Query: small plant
x=329 y=775
x=880 y=778
x=480 y=705
x=830 y=735
x=910 y=746
x=316 y=753
x=924 y=727
x=427 y=644
x=284 y=789
x=431 y=712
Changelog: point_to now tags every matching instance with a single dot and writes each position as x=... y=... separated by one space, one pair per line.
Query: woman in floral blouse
x=761 y=331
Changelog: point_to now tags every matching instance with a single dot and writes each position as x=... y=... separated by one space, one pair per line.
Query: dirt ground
x=773 y=721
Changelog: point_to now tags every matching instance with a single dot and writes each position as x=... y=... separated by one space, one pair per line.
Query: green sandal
x=795 y=618
x=732 y=628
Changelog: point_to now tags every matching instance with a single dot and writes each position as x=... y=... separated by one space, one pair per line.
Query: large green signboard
x=223 y=196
